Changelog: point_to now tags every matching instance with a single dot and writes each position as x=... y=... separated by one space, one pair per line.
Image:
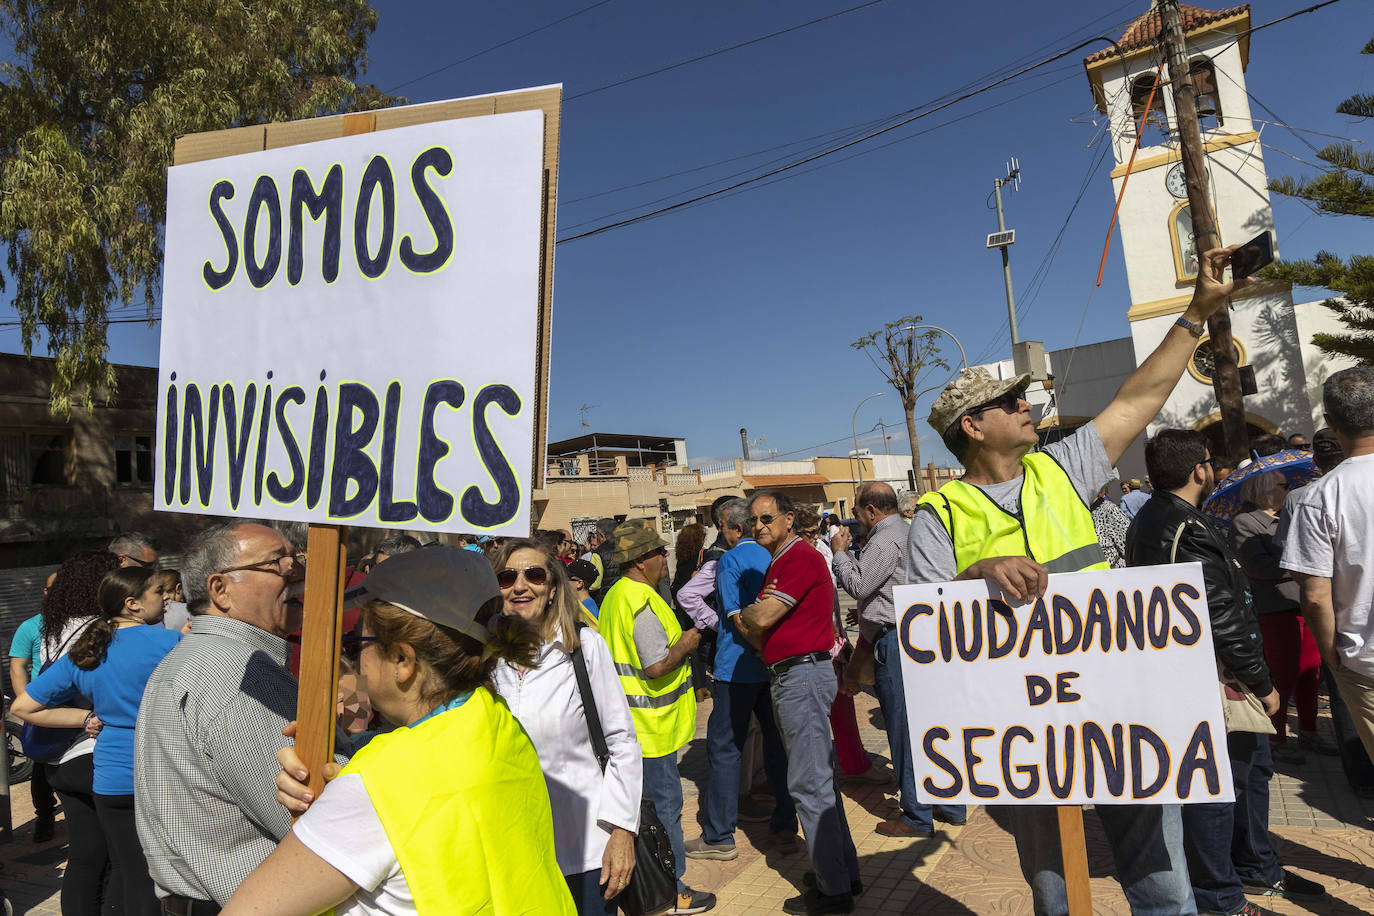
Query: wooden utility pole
x=1226 y=371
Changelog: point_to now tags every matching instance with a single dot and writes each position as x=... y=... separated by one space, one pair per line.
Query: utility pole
x=1003 y=241
x=1226 y=372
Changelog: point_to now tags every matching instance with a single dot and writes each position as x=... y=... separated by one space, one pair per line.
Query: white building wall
x=1313 y=319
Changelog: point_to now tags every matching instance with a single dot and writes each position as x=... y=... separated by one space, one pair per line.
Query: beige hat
x=634 y=538
x=972 y=388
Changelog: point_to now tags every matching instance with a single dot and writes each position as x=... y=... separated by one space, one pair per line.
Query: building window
x=1202 y=366
x=30 y=458
x=1140 y=93
x=134 y=459
x=1205 y=94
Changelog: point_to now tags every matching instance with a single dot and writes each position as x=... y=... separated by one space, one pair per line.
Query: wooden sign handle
x=1074 y=850
x=317 y=702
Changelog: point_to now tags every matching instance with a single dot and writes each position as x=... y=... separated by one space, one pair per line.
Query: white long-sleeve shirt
x=586 y=803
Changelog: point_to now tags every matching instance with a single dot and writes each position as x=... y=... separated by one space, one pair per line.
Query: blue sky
x=739 y=312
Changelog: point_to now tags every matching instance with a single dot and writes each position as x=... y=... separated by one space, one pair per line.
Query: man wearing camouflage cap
x=1018 y=515
x=651 y=652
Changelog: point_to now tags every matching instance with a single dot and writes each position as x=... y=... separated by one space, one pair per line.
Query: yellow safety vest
x=664 y=709
x=466 y=808
x=1054 y=526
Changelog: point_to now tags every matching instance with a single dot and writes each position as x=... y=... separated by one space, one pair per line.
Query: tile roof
x=1146 y=29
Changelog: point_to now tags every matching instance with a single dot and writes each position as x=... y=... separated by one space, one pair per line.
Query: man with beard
x=1227 y=843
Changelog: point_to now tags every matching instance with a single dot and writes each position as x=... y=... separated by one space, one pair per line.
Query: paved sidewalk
x=1325 y=832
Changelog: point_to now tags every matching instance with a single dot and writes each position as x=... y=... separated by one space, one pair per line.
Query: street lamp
x=963 y=360
x=853 y=432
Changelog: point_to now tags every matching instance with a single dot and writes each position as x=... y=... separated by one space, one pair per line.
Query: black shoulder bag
x=653 y=884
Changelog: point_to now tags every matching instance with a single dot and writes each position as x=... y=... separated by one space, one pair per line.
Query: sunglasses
x=811 y=532
x=352 y=646
x=756 y=520
x=534 y=575
x=1009 y=402
x=660 y=552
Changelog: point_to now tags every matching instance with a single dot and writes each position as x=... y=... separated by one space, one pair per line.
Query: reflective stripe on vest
x=664 y=709
x=1054 y=527
x=464 y=802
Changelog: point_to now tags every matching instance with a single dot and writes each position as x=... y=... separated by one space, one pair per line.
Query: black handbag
x=653 y=884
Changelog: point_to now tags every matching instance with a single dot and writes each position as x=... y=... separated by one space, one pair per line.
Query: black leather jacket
x=1235 y=627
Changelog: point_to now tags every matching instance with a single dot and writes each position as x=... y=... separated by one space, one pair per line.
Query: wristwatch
x=1192 y=327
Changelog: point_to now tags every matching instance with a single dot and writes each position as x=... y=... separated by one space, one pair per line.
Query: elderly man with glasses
x=211 y=720
x=791 y=622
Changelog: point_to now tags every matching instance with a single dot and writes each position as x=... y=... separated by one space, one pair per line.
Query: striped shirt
x=205 y=763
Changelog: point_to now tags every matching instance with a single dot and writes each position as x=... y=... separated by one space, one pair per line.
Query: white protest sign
x=349 y=329
x=1102 y=692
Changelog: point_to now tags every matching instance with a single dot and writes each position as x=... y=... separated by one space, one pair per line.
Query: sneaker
x=43 y=829
x=690 y=901
x=698 y=848
x=1249 y=909
x=874 y=774
x=954 y=820
x=1311 y=741
x=1287 y=753
x=785 y=842
x=752 y=811
x=1294 y=887
x=856 y=887
x=900 y=828
x=813 y=901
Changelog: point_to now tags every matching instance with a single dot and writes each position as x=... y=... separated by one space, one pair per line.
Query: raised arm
x=1145 y=391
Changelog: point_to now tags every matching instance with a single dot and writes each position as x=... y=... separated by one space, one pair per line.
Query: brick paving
x=1324 y=832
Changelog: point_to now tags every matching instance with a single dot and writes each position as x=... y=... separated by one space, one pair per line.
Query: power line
x=499 y=45
x=718 y=51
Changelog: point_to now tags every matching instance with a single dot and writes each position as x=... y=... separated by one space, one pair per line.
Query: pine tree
x=1347 y=189
x=91 y=101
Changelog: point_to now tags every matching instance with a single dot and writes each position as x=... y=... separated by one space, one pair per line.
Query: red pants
x=844 y=725
x=1294 y=664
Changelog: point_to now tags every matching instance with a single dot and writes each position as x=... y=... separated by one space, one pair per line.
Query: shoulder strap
x=65 y=643
x=584 y=687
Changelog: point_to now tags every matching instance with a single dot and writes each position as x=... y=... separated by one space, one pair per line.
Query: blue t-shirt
x=28 y=643
x=590 y=605
x=115 y=688
x=739 y=579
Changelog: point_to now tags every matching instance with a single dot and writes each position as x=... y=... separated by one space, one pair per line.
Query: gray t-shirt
x=930 y=552
x=651 y=640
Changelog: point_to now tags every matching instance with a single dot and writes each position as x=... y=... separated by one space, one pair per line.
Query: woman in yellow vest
x=448 y=815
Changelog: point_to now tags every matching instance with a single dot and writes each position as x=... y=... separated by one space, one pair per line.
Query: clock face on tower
x=1176 y=183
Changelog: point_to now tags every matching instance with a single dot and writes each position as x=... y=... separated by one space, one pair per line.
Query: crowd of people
x=512 y=710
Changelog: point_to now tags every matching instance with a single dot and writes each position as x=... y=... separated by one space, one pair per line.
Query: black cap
x=445 y=585
x=582 y=569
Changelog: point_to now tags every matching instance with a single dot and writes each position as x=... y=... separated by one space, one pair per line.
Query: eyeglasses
x=352 y=646
x=660 y=552
x=765 y=520
x=282 y=566
x=1216 y=461
x=534 y=575
x=1009 y=402
x=811 y=532
x=146 y=564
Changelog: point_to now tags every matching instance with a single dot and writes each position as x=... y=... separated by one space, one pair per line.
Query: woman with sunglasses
x=109 y=664
x=447 y=815
x=595 y=814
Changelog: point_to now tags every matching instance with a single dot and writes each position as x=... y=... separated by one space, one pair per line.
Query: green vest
x=664 y=709
x=1054 y=527
x=463 y=800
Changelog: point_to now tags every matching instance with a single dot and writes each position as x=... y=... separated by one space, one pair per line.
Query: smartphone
x=1253 y=255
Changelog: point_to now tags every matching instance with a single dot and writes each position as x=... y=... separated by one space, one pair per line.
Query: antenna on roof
x=583 y=412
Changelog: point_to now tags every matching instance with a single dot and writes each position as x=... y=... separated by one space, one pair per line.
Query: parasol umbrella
x=1297 y=466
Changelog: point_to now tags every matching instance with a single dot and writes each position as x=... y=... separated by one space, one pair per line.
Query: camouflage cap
x=971 y=388
x=634 y=538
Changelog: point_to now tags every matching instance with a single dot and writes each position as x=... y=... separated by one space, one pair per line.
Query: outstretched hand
x=293 y=792
x=1212 y=289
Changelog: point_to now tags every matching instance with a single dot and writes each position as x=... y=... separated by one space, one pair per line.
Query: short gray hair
x=1348 y=399
x=397 y=543
x=735 y=514
x=132 y=542
x=213 y=550
x=907 y=503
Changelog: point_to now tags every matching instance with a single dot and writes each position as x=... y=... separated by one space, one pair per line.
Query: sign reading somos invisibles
x=349 y=329
x=1104 y=691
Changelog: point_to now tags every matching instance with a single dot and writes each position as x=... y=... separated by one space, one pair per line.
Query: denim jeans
x=727 y=731
x=887 y=680
x=1147 y=846
x=802 y=696
x=1228 y=844
x=663 y=787
x=586 y=889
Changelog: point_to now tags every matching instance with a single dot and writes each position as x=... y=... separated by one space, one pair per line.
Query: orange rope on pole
x=1140 y=128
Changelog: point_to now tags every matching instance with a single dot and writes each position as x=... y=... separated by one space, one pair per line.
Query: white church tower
x=1156 y=229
